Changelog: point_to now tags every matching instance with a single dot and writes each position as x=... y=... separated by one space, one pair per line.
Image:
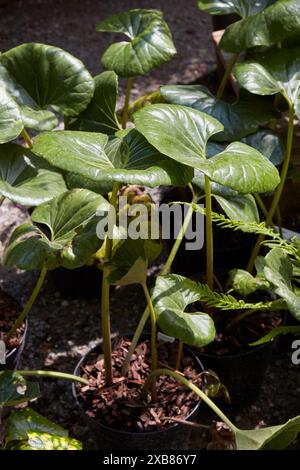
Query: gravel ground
x=71 y=24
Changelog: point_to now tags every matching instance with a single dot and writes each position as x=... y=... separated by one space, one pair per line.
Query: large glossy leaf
x=14 y=389
x=242 y=168
x=100 y=115
x=241 y=207
x=44 y=441
x=177 y=131
x=149 y=42
x=129 y=263
x=276 y=23
x=268 y=143
x=39 y=76
x=239 y=119
x=278 y=71
x=270 y=438
x=126 y=159
x=10 y=117
x=182 y=133
x=278 y=271
x=242 y=8
x=70 y=237
x=21 y=179
x=236 y=206
x=171 y=296
x=22 y=422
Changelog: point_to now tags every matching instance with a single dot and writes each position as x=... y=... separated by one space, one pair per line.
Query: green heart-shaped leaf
x=11 y=123
x=38 y=76
x=276 y=72
x=239 y=119
x=129 y=263
x=150 y=42
x=182 y=133
x=278 y=271
x=171 y=295
x=241 y=207
x=70 y=239
x=270 y=438
x=128 y=159
x=22 y=422
x=14 y=389
x=236 y=206
x=21 y=179
x=276 y=23
x=268 y=143
x=242 y=8
x=179 y=132
x=100 y=115
x=242 y=168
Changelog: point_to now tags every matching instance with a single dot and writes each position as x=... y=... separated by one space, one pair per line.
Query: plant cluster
x=224 y=153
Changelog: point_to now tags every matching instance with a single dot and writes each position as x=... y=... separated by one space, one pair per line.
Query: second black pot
x=242 y=373
x=79 y=283
x=174 y=437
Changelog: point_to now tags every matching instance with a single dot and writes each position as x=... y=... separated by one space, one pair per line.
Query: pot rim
x=133 y=433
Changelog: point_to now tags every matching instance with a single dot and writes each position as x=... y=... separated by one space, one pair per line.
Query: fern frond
x=228 y=302
x=254 y=227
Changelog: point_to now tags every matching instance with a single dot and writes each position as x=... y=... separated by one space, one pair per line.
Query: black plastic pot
x=14 y=356
x=222 y=21
x=79 y=283
x=231 y=250
x=172 y=438
x=242 y=374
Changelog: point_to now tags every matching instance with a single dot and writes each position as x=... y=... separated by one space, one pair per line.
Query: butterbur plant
x=149 y=45
x=73 y=179
x=182 y=133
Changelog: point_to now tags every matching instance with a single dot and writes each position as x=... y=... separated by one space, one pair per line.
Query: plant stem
x=278 y=192
x=153 y=339
x=209 y=236
x=191 y=386
x=28 y=305
x=166 y=269
x=126 y=103
x=274 y=120
x=26 y=137
x=179 y=355
x=261 y=205
x=106 y=335
x=226 y=76
x=153 y=327
x=53 y=374
x=2 y=199
x=105 y=313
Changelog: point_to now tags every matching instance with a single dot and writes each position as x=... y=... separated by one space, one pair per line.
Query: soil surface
x=121 y=406
x=62 y=330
